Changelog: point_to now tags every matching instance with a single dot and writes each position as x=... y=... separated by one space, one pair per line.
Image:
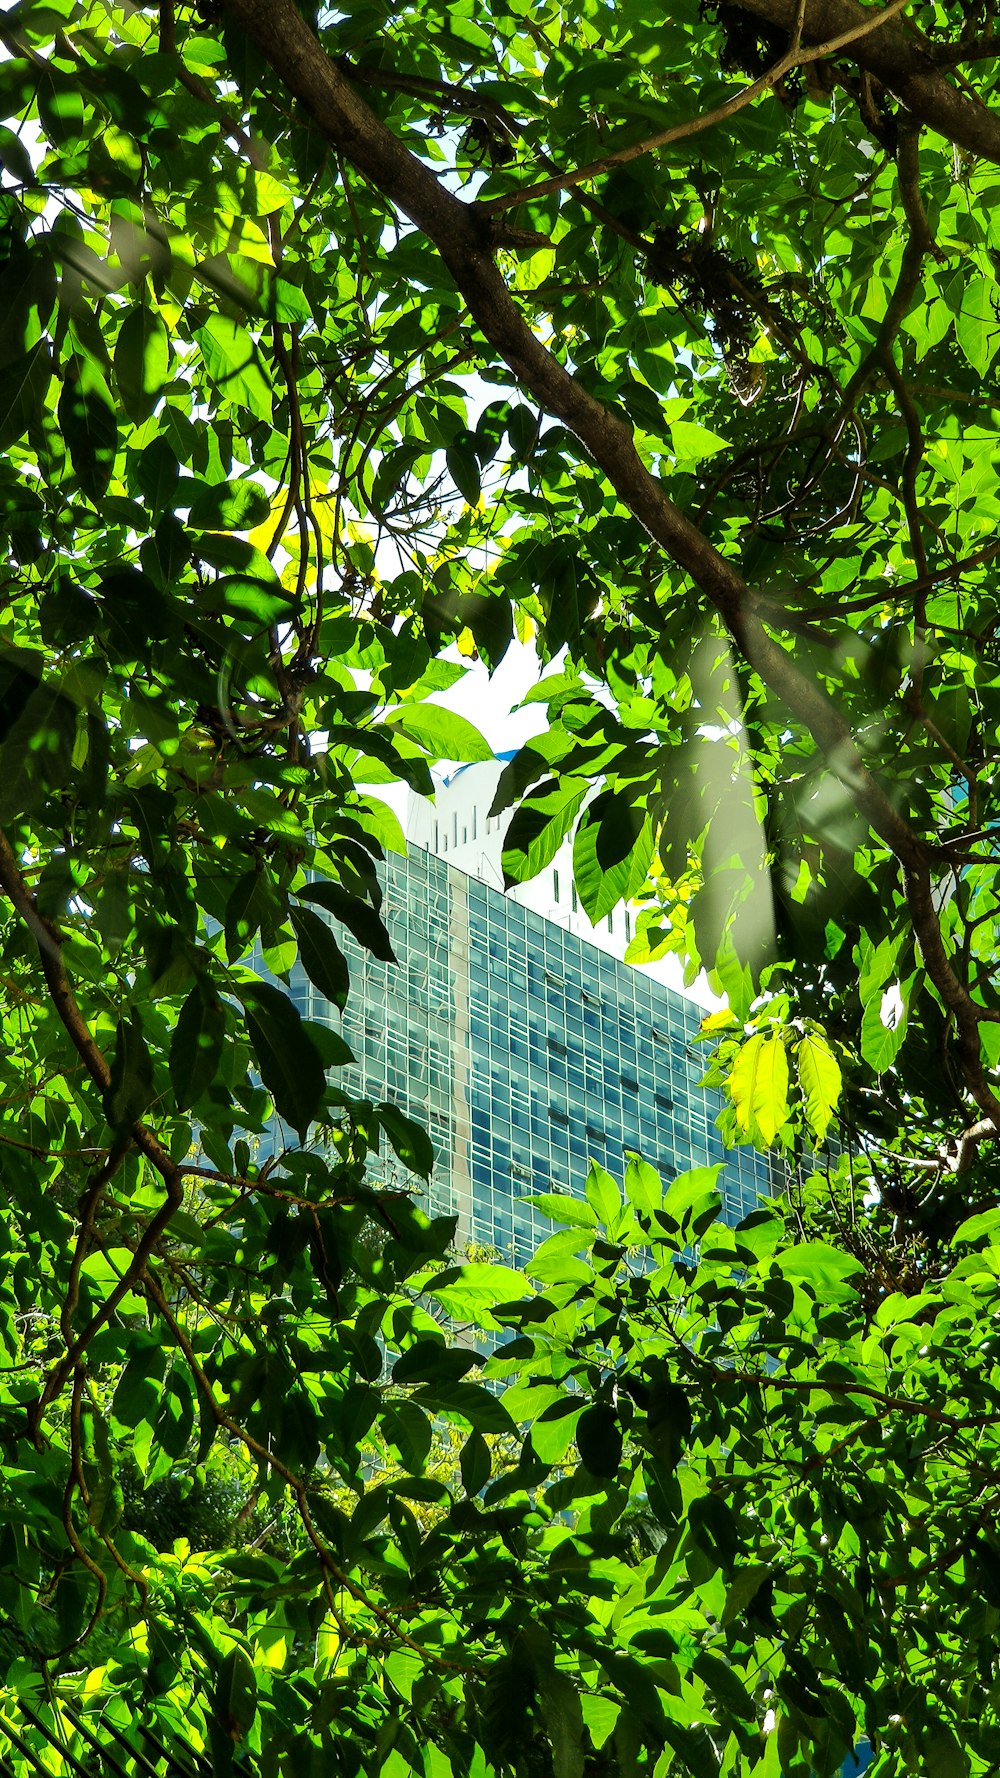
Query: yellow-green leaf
x=233 y=363
x=758 y=1086
x=820 y=1081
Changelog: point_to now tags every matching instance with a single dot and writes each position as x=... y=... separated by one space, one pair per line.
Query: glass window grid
x=483 y=986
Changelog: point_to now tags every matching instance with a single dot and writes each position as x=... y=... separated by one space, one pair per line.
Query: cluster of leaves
x=708 y=1517
x=813 y=1481
x=327 y=341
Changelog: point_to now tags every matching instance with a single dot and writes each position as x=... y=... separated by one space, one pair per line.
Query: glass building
x=525 y=1052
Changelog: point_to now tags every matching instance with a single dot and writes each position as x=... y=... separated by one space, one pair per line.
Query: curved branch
x=49 y=940
x=463 y=239
x=796 y=57
x=296 y=1484
x=903 y=61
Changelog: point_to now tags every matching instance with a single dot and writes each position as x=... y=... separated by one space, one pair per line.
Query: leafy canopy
x=328 y=340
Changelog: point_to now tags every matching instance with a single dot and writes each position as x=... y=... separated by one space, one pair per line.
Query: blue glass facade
x=525 y=1052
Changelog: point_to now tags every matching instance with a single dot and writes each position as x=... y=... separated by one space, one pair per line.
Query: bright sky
x=491 y=703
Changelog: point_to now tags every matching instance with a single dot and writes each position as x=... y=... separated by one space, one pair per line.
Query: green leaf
x=882 y=1039
x=556 y=1261
x=522 y=431
x=559 y=1706
x=475 y=1463
x=470 y=1293
x=238 y=557
x=986 y=1222
x=142 y=358
x=695 y=1748
x=320 y=956
x=694 y=442
x=463 y=468
x=230 y=506
x=878 y=965
x=668 y=1422
x=643 y=1186
x=612 y=850
x=600 y=1715
x=552 y=686
x=603 y=1194
x=820 y=1081
x=566 y=1210
x=946 y=1755
x=431 y=1360
x=410 y=1141
x=599 y=1440
x=23 y=387
x=726 y=1685
x=744 y=1587
x=692 y=1201
x=289 y=1063
x=196 y=1045
x=554 y=1430
x=539 y=828
x=287 y=302
x=130 y=1089
x=137 y=1396
x=823 y=1267
x=758 y=1085
x=403 y=1670
x=356 y=915
x=175 y=1419
x=235 y=1699
x=444 y=733
x=472 y=1402
x=377 y=819
x=977 y=326
x=254 y=601
x=251 y=902
x=155 y=471
x=233 y=363
x=408 y=1430
x=15 y=157
x=88 y=424
x=37 y=752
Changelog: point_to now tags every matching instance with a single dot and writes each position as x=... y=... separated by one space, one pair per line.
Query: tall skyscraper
x=525 y=1051
x=458 y=826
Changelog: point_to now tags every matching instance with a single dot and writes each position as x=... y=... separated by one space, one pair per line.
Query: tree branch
x=888 y=593
x=977 y=49
x=461 y=234
x=903 y=61
x=297 y=1485
x=49 y=940
x=463 y=239
x=795 y=57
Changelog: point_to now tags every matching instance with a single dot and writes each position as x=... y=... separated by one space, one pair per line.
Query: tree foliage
x=330 y=339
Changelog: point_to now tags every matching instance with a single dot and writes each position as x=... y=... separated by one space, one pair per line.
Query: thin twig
x=268 y=1459
x=793 y=58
